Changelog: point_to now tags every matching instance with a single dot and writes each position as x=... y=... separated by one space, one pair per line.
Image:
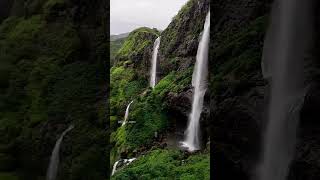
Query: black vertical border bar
x=212 y=161
x=106 y=26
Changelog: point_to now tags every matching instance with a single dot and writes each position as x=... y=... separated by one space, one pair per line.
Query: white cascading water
x=199 y=82
x=114 y=167
x=126 y=114
x=54 y=159
x=124 y=161
x=285 y=47
x=154 y=62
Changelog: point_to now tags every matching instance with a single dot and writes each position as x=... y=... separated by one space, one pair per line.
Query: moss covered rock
x=138 y=48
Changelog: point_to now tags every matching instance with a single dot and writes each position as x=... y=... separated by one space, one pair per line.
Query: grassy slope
x=114 y=48
x=167 y=164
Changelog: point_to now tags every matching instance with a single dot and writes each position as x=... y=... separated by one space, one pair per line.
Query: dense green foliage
x=167 y=164
x=174 y=82
x=137 y=42
x=126 y=85
x=114 y=48
x=47 y=82
x=148 y=116
x=148 y=109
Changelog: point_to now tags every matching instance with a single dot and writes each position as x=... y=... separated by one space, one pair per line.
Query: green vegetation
x=174 y=82
x=125 y=85
x=114 y=48
x=180 y=31
x=48 y=81
x=128 y=83
x=137 y=42
x=8 y=176
x=149 y=117
x=148 y=109
x=151 y=107
x=167 y=164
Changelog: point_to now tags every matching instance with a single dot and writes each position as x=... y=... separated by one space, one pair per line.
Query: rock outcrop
x=179 y=41
x=137 y=50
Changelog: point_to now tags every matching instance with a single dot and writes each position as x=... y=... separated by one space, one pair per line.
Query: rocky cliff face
x=179 y=41
x=178 y=49
x=137 y=50
x=237 y=88
x=239 y=93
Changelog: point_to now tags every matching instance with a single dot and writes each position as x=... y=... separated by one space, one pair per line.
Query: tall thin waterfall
x=286 y=43
x=126 y=114
x=199 y=82
x=54 y=160
x=153 y=72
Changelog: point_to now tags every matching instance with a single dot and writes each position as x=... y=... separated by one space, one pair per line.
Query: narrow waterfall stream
x=114 y=168
x=154 y=62
x=287 y=40
x=123 y=162
x=54 y=160
x=199 y=82
x=126 y=114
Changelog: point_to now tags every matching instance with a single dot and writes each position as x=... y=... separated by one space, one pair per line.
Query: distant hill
x=115 y=45
x=119 y=36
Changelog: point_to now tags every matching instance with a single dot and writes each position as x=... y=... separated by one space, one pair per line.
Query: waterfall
x=114 y=167
x=199 y=82
x=54 y=159
x=153 y=72
x=287 y=40
x=124 y=162
x=126 y=114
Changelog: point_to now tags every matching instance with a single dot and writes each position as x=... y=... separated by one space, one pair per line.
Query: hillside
x=115 y=46
x=53 y=68
x=159 y=117
x=119 y=36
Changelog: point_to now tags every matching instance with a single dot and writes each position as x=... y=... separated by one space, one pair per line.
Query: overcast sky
x=127 y=15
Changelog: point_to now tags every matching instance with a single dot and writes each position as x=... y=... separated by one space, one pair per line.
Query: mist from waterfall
x=154 y=62
x=199 y=82
x=285 y=47
x=54 y=159
x=126 y=114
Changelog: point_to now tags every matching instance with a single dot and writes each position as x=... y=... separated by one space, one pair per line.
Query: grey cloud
x=127 y=15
